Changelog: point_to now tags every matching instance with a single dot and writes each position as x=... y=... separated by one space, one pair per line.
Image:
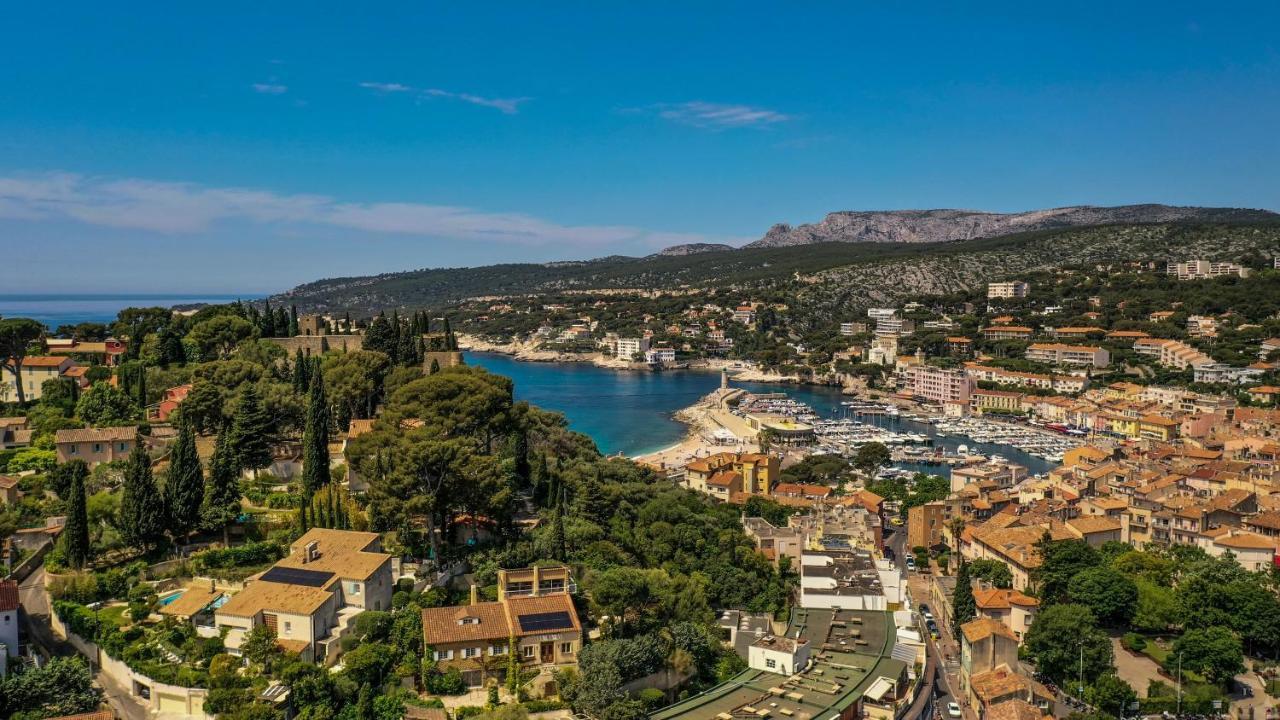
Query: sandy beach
x=707 y=423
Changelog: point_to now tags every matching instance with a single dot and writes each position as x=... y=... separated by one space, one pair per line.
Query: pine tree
x=221 y=505
x=591 y=502
x=378 y=336
x=315 y=438
x=141 y=508
x=251 y=432
x=75 y=535
x=184 y=488
x=963 y=607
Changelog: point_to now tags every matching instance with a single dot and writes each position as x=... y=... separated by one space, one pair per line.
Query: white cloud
x=176 y=208
x=270 y=88
x=717 y=116
x=509 y=106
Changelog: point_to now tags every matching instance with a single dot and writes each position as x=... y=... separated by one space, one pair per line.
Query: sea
x=632 y=412
x=55 y=310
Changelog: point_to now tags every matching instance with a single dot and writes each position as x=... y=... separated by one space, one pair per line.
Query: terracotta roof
x=262 y=595
x=9 y=597
x=44 y=361
x=109 y=434
x=1002 y=599
x=8 y=481
x=980 y=629
x=483 y=621
x=1013 y=710
x=524 y=606
x=1247 y=541
x=1093 y=524
x=293 y=646
x=194 y=598
x=341 y=552
x=724 y=479
x=1002 y=681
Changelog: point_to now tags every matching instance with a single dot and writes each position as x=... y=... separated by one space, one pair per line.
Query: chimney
x=537 y=579
x=475 y=594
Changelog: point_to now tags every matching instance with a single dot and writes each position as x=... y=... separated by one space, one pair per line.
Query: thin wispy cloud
x=270 y=88
x=175 y=208
x=718 y=116
x=508 y=106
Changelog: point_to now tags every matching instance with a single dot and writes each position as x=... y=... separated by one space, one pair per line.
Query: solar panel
x=541 y=622
x=298 y=576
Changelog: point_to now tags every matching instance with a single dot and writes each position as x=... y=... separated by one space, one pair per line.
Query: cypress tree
x=315 y=438
x=555 y=538
x=184 y=489
x=293 y=321
x=140 y=387
x=300 y=368
x=347 y=328
x=75 y=535
x=282 y=321
x=364 y=704
x=141 y=507
x=450 y=344
x=521 y=451
x=324 y=344
x=221 y=505
x=251 y=432
x=303 y=522
x=333 y=510
x=963 y=607
x=268 y=322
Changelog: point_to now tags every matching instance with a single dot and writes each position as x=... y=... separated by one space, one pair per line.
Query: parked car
x=924 y=610
x=933 y=628
x=911 y=563
x=953 y=710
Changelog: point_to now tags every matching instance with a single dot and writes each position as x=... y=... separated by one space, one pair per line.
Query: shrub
x=1133 y=641
x=77 y=588
x=249 y=554
x=652 y=698
x=466 y=711
x=535 y=706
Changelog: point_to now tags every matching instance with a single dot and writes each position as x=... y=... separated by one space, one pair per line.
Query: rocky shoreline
x=529 y=352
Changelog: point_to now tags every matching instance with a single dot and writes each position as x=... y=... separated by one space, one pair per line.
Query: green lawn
x=114 y=614
x=1159 y=653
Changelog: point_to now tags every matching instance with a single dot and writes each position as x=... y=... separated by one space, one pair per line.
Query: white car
x=953 y=710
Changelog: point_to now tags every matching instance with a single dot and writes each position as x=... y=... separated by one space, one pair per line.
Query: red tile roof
x=9 y=596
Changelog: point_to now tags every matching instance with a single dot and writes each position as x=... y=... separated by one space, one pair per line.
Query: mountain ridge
x=942 y=225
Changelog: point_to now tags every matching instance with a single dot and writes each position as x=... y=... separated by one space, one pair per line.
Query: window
x=771 y=663
x=528 y=651
x=123 y=447
x=74 y=449
x=97 y=447
x=288 y=627
x=355 y=588
x=566 y=648
x=470 y=652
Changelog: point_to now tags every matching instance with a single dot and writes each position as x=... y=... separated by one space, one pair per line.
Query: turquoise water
x=631 y=412
x=55 y=309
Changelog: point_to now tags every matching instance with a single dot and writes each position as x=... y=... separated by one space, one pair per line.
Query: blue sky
x=275 y=143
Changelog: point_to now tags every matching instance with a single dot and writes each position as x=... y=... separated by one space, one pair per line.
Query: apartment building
x=1000 y=376
x=852 y=328
x=1015 y=610
x=1204 y=269
x=744 y=314
x=938 y=385
x=749 y=473
x=534 y=616
x=1171 y=353
x=629 y=348
x=894 y=327
x=995 y=401
x=1201 y=326
x=1010 y=289
x=926 y=524
x=1007 y=332
x=1059 y=354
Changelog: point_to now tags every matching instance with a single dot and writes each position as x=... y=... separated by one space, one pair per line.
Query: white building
x=1010 y=289
x=628 y=348
x=846 y=579
x=1059 y=354
x=894 y=326
x=9 y=605
x=659 y=355
x=781 y=655
x=881 y=313
x=1223 y=373
x=1202 y=269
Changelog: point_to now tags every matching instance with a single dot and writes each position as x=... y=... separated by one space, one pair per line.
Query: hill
x=924 y=226
x=853 y=272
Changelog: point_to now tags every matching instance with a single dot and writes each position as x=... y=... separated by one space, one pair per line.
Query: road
x=39 y=634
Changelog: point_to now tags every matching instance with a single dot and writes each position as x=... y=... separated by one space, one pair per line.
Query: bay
x=631 y=412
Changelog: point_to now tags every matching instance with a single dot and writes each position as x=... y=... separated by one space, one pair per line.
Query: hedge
x=249 y=554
